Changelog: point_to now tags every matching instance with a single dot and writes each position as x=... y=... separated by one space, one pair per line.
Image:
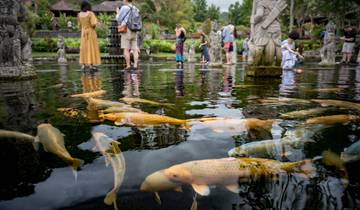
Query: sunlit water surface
x=43 y=181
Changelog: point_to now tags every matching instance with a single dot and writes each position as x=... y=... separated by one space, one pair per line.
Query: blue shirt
x=228 y=34
x=124 y=14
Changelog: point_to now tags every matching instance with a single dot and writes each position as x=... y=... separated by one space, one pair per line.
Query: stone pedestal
x=263 y=71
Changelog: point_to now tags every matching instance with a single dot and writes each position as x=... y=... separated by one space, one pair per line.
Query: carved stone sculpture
x=61 y=52
x=15 y=47
x=265 y=41
x=215 y=49
x=328 y=51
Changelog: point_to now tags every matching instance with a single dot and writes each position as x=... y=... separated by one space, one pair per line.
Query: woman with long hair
x=89 y=47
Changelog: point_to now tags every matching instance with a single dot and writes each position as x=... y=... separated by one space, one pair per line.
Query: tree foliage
x=213 y=12
x=240 y=14
x=200 y=10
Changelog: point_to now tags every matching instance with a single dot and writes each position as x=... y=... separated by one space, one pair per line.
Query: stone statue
x=328 y=51
x=27 y=53
x=265 y=40
x=61 y=52
x=15 y=48
x=215 y=49
x=191 y=57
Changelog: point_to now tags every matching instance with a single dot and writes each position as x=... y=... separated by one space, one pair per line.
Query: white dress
x=288 y=59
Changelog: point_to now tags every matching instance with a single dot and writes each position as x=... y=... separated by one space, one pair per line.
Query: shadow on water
x=42 y=181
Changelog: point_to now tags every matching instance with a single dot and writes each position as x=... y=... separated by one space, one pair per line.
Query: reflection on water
x=197 y=91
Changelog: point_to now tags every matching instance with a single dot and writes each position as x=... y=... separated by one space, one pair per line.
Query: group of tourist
x=126 y=17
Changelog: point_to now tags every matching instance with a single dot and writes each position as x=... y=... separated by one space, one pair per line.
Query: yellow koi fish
x=143 y=101
x=338 y=103
x=121 y=109
x=304 y=113
x=283 y=100
x=110 y=149
x=142 y=119
x=53 y=141
x=16 y=135
x=90 y=94
x=334 y=119
x=227 y=172
x=98 y=103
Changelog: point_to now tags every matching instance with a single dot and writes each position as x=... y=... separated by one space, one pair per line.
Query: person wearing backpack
x=129 y=23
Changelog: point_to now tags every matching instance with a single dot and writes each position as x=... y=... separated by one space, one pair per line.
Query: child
x=180 y=39
x=289 y=55
x=205 y=58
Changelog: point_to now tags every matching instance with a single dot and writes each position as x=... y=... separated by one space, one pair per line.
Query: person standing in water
x=228 y=38
x=89 y=47
x=180 y=40
x=289 y=54
x=129 y=39
x=205 y=58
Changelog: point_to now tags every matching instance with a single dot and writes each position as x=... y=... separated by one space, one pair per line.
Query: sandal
x=127 y=68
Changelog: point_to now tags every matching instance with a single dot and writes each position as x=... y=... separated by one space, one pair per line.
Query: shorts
x=129 y=40
x=228 y=46
x=348 y=47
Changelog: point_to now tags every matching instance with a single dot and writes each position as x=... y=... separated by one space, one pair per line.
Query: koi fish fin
x=119 y=123
x=194 y=205
x=233 y=188
x=178 y=189
x=203 y=190
x=332 y=159
x=157 y=198
x=110 y=199
x=36 y=143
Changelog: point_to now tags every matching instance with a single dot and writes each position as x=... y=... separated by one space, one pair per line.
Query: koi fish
x=98 y=103
x=110 y=149
x=334 y=119
x=222 y=125
x=228 y=172
x=121 y=109
x=90 y=94
x=142 y=119
x=303 y=113
x=143 y=101
x=264 y=147
x=53 y=141
x=338 y=103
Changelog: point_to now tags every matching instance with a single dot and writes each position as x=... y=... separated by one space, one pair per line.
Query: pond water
x=40 y=180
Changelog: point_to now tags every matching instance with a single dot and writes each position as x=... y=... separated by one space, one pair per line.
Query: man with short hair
x=349 y=39
x=129 y=39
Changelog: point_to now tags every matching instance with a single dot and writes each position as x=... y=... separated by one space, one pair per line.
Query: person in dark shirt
x=349 y=39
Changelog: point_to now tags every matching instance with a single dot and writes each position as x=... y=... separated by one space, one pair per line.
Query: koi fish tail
x=304 y=167
x=75 y=165
x=110 y=199
x=332 y=159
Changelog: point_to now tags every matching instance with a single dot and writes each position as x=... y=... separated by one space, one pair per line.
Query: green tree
x=240 y=14
x=213 y=12
x=200 y=10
